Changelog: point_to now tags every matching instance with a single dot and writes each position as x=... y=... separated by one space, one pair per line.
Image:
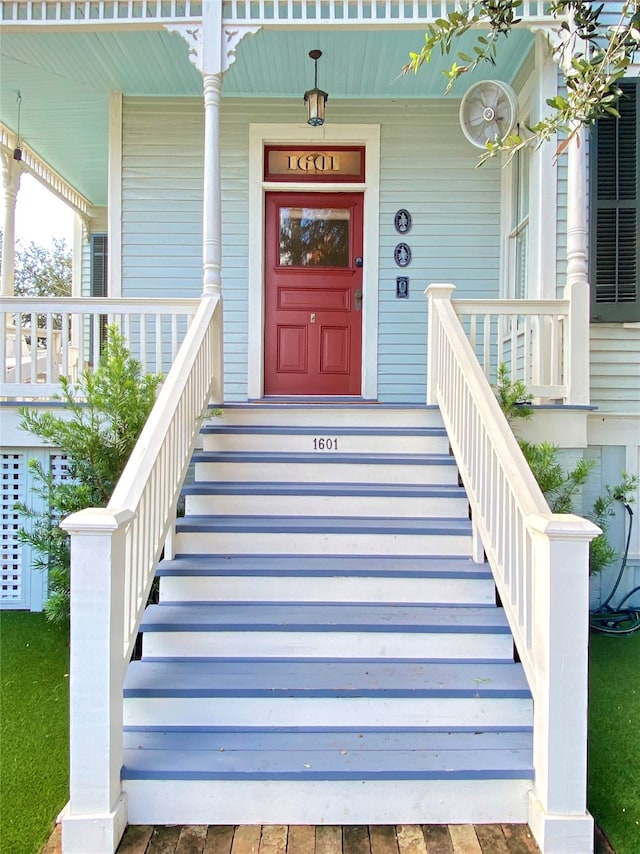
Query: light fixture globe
x=315 y=98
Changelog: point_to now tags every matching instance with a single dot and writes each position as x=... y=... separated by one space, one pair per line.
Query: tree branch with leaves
x=593 y=57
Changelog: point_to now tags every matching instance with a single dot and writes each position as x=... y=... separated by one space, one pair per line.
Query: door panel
x=335 y=350
x=292 y=349
x=313 y=321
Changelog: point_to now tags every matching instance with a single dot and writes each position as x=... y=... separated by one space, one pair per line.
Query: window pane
x=314 y=237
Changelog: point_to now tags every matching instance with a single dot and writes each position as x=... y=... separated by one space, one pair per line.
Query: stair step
x=328 y=617
x=230 y=497
x=337 y=578
x=333 y=802
x=317 y=692
x=334 y=438
x=324 y=524
x=271 y=678
x=332 y=534
x=328 y=566
x=326 y=755
x=323 y=466
x=329 y=630
x=327 y=413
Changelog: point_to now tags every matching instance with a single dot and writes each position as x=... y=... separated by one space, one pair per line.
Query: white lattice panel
x=13 y=489
x=59 y=467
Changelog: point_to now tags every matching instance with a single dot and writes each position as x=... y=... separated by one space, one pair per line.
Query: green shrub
x=560 y=486
x=108 y=409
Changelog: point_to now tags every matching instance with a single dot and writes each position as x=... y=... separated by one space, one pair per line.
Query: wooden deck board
x=164 y=840
x=280 y=839
x=302 y=839
x=192 y=839
x=438 y=839
x=246 y=839
x=519 y=839
x=355 y=839
x=491 y=838
x=464 y=839
x=219 y=839
x=329 y=840
x=383 y=839
x=411 y=839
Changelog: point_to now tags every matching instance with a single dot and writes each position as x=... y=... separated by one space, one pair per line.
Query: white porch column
x=11 y=172
x=212 y=50
x=577 y=289
x=212 y=205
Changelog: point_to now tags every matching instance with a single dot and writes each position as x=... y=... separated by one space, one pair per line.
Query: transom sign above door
x=310 y=164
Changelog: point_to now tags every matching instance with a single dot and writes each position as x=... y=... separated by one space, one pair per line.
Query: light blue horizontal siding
x=430 y=169
x=615 y=367
x=162 y=197
x=426 y=166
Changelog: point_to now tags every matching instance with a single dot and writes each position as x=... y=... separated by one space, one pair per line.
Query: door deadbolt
x=312 y=319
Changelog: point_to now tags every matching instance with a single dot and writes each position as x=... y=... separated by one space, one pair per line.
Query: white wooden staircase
x=325 y=651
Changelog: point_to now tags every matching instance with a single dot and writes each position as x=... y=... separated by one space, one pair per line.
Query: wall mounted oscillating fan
x=489 y=109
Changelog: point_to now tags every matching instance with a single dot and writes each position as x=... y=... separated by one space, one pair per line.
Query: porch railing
x=114 y=552
x=540 y=565
x=42 y=339
x=152 y=13
x=530 y=337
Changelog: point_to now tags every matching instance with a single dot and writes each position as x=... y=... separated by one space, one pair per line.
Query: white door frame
x=282 y=134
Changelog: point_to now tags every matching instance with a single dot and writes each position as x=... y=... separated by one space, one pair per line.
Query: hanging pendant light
x=315 y=98
x=17 y=151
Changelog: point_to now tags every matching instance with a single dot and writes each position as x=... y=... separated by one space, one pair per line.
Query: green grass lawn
x=614 y=739
x=34 y=710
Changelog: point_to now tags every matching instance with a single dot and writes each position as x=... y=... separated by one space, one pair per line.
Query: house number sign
x=402 y=255
x=317 y=164
x=328 y=443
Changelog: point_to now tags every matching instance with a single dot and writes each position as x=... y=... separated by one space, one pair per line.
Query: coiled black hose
x=618 y=621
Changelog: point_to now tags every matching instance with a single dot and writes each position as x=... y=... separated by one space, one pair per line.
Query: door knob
x=359 y=261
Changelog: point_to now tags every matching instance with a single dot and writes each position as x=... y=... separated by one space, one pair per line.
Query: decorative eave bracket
x=216 y=57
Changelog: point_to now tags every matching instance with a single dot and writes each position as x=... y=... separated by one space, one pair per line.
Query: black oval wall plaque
x=402 y=255
x=402 y=221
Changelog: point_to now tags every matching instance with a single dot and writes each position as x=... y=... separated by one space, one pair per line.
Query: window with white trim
x=518 y=243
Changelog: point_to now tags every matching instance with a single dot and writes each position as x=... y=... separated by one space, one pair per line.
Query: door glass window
x=314 y=237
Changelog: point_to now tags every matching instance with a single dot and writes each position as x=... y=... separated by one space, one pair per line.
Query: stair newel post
x=434 y=292
x=558 y=814
x=96 y=815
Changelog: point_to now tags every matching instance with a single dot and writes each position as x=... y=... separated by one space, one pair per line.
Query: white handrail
x=540 y=566
x=114 y=552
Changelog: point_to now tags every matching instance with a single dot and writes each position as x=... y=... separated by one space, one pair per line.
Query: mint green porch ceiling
x=65 y=79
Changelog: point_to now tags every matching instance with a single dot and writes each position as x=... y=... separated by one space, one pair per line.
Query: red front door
x=313 y=294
